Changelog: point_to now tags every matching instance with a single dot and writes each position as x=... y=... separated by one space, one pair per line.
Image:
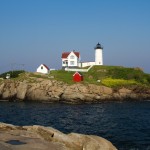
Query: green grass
x=118 y=72
x=119 y=76
x=111 y=76
x=1 y=80
x=62 y=75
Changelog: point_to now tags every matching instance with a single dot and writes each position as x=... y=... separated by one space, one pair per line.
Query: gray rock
x=47 y=138
x=21 y=90
x=73 y=97
x=1 y=88
x=54 y=91
x=9 y=90
x=37 y=94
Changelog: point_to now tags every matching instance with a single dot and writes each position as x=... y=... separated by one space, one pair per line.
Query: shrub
x=13 y=74
x=118 y=82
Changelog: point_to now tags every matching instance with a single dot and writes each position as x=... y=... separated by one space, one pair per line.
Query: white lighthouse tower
x=98 y=54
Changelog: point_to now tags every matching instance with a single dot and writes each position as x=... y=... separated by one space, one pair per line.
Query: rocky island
x=101 y=83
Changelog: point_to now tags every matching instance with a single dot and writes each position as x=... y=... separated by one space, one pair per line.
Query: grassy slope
x=117 y=75
x=112 y=76
x=108 y=75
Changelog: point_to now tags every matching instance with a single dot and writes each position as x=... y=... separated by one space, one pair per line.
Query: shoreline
x=58 y=92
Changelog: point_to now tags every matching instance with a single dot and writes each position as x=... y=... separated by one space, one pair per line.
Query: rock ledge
x=47 y=138
x=56 y=91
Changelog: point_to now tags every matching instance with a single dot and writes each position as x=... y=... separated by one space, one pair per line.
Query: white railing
x=78 y=70
x=90 y=68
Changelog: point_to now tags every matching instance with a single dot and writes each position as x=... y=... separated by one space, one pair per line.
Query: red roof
x=77 y=77
x=65 y=54
x=45 y=66
x=77 y=73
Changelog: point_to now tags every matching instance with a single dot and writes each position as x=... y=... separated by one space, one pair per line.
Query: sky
x=34 y=32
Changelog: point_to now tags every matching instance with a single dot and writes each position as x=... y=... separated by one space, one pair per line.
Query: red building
x=77 y=77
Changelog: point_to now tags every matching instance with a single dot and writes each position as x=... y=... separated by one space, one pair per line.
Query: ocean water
x=125 y=124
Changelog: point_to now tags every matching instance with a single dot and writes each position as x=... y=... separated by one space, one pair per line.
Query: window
x=71 y=62
x=65 y=62
x=41 y=67
x=71 y=57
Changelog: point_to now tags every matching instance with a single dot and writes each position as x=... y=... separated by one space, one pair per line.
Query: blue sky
x=38 y=31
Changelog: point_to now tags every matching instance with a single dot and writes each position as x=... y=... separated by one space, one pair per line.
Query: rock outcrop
x=55 y=91
x=47 y=138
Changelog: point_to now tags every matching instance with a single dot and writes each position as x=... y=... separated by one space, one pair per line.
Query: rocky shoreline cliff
x=39 y=89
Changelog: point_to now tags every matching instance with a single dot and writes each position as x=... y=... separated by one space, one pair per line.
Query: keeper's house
x=70 y=59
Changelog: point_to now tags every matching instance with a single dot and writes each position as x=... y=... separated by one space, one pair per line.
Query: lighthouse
x=98 y=54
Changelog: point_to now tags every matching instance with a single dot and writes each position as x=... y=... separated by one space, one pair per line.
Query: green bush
x=13 y=74
x=118 y=82
x=119 y=72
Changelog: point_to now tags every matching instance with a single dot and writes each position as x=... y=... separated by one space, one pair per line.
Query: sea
x=126 y=124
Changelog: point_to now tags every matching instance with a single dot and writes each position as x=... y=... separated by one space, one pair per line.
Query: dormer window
x=72 y=57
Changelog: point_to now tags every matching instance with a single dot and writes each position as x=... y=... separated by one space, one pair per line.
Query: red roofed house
x=77 y=77
x=43 y=69
x=70 y=59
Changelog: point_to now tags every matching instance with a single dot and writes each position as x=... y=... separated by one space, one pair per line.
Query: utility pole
x=22 y=66
x=12 y=68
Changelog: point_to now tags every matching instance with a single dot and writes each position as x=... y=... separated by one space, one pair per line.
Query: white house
x=70 y=59
x=43 y=69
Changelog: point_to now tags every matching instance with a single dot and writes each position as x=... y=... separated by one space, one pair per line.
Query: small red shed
x=77 y=77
